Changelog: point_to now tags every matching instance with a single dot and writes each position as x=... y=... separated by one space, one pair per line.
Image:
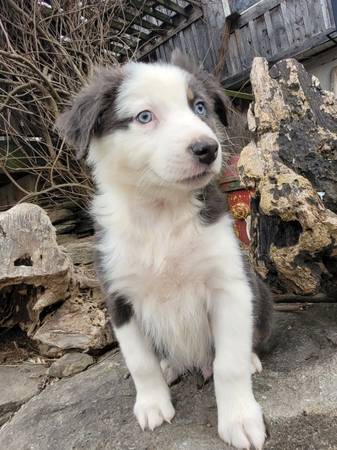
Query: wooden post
x=219 y=15
x=230 y=10
x=333 y=80
x=215 y=21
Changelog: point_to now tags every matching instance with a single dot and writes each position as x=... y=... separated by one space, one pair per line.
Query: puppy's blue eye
x=200 y=108
x=144 y=117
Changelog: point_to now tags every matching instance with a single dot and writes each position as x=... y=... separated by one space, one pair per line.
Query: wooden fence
x=277 y=29
x=274 y=29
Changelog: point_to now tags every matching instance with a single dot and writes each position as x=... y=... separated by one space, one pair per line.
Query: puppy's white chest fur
x=166 y=265
x=172 y=304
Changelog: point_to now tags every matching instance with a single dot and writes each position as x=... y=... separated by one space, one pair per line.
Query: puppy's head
x=154 y=125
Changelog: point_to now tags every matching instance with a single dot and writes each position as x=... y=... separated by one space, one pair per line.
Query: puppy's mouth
x=195 y=178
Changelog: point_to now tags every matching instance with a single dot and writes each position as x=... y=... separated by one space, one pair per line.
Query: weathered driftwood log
x=291 y=167
x=34 y=272
x=79 y=323
x=39 y=289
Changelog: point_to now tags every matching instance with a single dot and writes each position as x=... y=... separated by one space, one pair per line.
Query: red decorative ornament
x=239 y=200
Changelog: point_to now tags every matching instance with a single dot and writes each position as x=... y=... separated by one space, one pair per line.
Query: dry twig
x=47 y=51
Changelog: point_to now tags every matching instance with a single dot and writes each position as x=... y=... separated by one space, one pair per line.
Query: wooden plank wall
x=201 y=40
x=274 y=29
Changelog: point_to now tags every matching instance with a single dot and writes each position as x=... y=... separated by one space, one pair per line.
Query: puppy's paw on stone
x=153 y=409
x=244 y=428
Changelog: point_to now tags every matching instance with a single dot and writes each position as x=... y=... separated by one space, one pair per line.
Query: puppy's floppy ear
x=77 y=124
x=180 y=59
x=84 y=118
x=213 y=86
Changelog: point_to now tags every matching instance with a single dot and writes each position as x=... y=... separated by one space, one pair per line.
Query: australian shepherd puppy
x=177 y=290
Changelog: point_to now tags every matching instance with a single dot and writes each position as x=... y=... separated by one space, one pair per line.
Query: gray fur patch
x=214 y=204
x=119 y=307
x=205 y=86
x=93 y=111
x=262 y=312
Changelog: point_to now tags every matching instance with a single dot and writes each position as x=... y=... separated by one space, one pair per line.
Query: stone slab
x=93 y=410
x=18 y=384
x=70 y=364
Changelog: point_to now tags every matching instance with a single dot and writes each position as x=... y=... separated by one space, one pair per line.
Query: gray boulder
x=70 y=364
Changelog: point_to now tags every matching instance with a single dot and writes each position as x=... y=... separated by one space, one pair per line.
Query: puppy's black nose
x=205 y=150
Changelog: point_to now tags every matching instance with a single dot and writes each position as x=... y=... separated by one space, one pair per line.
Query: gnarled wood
x=41 y=291
x=291 y=166
x=34 y=272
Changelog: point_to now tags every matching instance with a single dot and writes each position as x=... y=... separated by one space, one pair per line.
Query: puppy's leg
x=240 y=419
x=256 y=365
x=207 y=372
x=153 y=404
x=170 y=373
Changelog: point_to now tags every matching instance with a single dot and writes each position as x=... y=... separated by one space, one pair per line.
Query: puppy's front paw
x=153 y=409
x=243 y=427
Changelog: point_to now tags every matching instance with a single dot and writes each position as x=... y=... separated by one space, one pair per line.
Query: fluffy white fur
x=186 y=280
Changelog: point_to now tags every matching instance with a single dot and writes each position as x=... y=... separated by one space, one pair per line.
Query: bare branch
x=45 y=56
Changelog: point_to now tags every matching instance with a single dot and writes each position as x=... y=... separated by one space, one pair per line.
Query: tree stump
x=291 y=168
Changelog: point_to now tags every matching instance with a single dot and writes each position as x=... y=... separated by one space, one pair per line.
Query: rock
x=80 y=250
x=70 y=364
x=332 y=336
x=61 y=214
x=70 y=220
x=34 y=272
x=42 y=291
x=93 y=410
x=291 y=167
x=80 y=323
x=18 y=384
